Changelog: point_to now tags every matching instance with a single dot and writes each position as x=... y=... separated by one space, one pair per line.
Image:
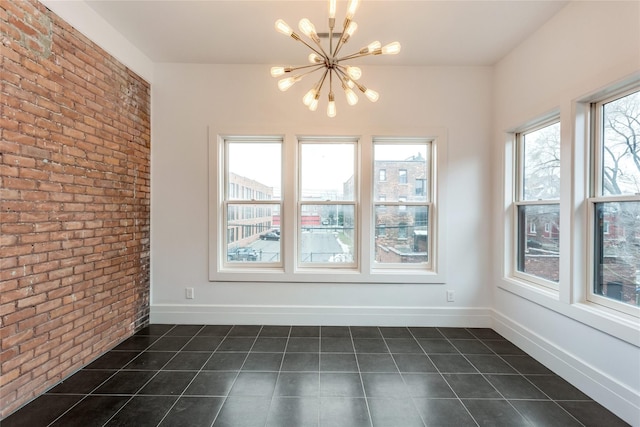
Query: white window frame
x=595 y=193
x=517 y=198
x=365 y=271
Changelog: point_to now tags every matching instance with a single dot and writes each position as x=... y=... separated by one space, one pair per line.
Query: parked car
x=270 y=235
x=242 y=254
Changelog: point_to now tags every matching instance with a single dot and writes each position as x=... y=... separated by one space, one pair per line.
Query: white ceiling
x=476 y=32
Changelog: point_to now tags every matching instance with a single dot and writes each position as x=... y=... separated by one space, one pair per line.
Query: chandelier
x=329 y=62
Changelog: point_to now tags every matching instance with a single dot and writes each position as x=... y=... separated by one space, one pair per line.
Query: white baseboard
x=321 y=315
x=618 y=398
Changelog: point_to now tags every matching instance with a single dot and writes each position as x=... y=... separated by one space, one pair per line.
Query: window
x=537 y=204
x=329 y=199
x=404 y=217
x=382 y=175
x=402 y=176
x=251 y=199
x=615 y=200
x=307 y=219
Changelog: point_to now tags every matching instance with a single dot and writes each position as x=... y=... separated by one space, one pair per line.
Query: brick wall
x=74 y=201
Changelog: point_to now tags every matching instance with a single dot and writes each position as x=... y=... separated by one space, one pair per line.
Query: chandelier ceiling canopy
x=329 y=62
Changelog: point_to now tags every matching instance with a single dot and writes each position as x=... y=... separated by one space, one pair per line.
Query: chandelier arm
x=291 y=69
x=354 y=56
x=310 y=71
x=310 y=47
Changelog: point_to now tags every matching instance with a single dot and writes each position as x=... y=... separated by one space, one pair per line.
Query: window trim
x=517 y=200
x=364 y=273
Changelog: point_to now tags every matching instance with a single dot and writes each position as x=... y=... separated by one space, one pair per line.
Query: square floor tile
x=243 y=411
x=495 y=412
x=297 y=384
x=456 y=333
x=485 y=333
x=125 y=382
x=384 y=385
x=185 y=330
x=427 y=386
x=92 y=410
x=168 y=343
x=376 y=363
x=275 y=331
x=514 y=386
x=294 y=412
x=437 y=346
x=83 y=381
x=187 y=361
x=305 y=331
x=471 y=347
x=263 y=362
x=444 y=412
x=41 y=411
x=203 y=343
x=137 y=342
x=490 y=364
x=168 y=383
x=254 y=384
x=344 y=412
x=365 y=332
x=403 y=345
x=592 y=414
x=395 y=332
x=336 y=345
x=338 y=362
x=303 y=345
x=452 y=363
x=471 y=386
x=193 y=412
x=113 y=360
x=421 y=332
x=414 y=363
x=225 y=361
x=370 y=345
x=303 y=362
x=335 y=331
x=340 y=385
x=211 y=383
x=150 y=360
x=142 y=411
x=155 y=330
x=503 y=347
x=557 y=388
x=545 y=413
x=245 y=331
x=526 y=364
x=236 y=344
x=390 y=412
x=268 y=344
x=215 y=330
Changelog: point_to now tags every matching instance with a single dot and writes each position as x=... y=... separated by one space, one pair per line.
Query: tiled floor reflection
x=279 y=376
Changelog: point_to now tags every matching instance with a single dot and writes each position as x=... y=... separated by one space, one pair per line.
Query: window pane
x=407 y=171
x=327 y=171
x=327 y=234
x=254 y=171
x=401 y=234
x=538 y=241
x=541 y=164
x=253 y=232
x=621 y=146
x=617 y=264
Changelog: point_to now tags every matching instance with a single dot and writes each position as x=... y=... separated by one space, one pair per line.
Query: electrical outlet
x=450 y=296
x=188 y=293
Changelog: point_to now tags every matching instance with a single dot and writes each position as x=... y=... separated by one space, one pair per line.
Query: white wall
x=189 y=99
x=584 y=48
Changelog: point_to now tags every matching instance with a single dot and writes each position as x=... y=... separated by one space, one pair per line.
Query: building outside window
x=537 y=204
x=615 y=200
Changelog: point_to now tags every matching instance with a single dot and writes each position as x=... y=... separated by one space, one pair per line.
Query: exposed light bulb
x=285 y=84
x=351 y=9
x=391 y=49
x=314 y=58
x=348 y=32
x=354 y=72
x=283 y=28
x=331 y=107
x=277 y=71
x=308 y=29
x=373 y=46
x=332 y=9
x=372 y=95
x=309 y=96
x=352 y=98
x=350 y=83
x=314 y=104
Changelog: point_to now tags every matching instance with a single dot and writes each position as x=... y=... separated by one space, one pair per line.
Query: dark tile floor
x=194 y=375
